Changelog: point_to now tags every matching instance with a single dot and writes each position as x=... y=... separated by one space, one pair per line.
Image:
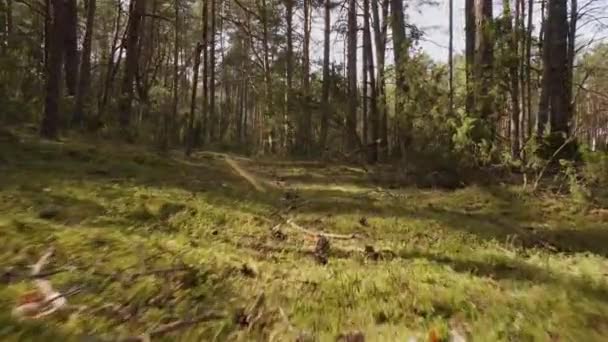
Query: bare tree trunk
x=268 y=106
x=470 y=55
x=205 y=95
x=372 y=147
x=364 y=84
x=351 y=116
x=400 y=47
x=555 y=98
x=571 y=55
x=288 y=71
x=528 y=64
x=109 y=77
x=560 y=94
x=306 y=135
x=380 y=24
x=195 y=70
x=326 y=80
x=484 y=60
x=167 y=121
x=135 y=15
x=513 y=63
x=50 y=121
x=212 y=113
x=71 y=46
x=451 y=58
x=84 y=82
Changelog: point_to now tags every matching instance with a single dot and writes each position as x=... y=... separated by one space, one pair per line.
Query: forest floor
x=142 y=241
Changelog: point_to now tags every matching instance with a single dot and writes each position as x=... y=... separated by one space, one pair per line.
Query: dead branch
x=52 y=301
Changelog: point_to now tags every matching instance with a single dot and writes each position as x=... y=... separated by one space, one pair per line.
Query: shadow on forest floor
x=435 y=254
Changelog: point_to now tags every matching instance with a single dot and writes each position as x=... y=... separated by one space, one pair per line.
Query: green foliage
x=595 y=173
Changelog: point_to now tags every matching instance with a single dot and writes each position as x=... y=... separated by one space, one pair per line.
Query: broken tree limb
x=51 y=299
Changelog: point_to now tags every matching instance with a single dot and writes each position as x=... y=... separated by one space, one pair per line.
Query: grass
x=499 y=263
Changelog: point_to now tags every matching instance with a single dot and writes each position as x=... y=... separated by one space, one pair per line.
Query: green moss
x=507 y=265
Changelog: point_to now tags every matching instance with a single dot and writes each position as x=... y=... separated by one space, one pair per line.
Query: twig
x=544 y=169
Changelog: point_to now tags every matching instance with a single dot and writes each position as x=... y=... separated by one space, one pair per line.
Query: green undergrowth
x=150 y=239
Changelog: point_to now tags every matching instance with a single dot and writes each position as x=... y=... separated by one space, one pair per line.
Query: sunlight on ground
x=496 y=263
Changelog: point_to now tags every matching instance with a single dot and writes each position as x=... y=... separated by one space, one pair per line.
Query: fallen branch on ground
x=51 y=300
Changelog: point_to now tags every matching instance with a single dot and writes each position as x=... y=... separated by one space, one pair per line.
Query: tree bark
x=400 y=47
x=513 y=63
x=175 y=105
x=84 y=82
x=555 y=101
x=484 y=60
x=306 y=127
x=205 y=95
x=50 y=121
x=71 y=46
x=351 y=116
x=326 y=79
x=125 y=103
x=195 y=70
x=451 y=58
x=212 y=113
x=528 y=64
x=288 y=71
x=374 y=123
x=380 y=24
x=470 y=28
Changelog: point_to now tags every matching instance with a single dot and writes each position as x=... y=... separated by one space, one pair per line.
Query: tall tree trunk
x=451 y=58
x=71 y=46
x=205 y=95
x=364 y=84
x=84 y=82
x=400 y=47
x=50 y=121
x=306 y=126
x=167 y=121
x=571 y=55
x=470 y=28
x=380 y=24
x=374 y=123
x=484 y=59
x=513 y=63
x=555 y=99
x=530 y=29
x=110 y=69
x=212 y=113
x=135 y=16
x=543 y=103
x=195 y=70
x=326 y=79
x=288 y=71
x=351 y=116
x=560 y=93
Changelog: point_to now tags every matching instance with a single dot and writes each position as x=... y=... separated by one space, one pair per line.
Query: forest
x=304 y=170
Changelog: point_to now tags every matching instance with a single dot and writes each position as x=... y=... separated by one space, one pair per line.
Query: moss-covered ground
x=149 y=239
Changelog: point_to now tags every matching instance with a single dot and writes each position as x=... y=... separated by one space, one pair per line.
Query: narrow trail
x=246 y=175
